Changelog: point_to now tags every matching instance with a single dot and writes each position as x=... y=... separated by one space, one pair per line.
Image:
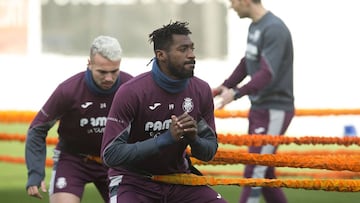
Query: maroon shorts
x=268 y=122
x=72 y=172
x=139 y=189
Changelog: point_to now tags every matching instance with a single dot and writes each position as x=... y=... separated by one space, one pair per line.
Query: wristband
x=237 y=94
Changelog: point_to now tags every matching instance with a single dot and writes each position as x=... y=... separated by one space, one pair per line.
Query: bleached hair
x=106 y=46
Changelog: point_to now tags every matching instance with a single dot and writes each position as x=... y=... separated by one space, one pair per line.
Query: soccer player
x=152 y=121
x=80 y=104
x=269 y=63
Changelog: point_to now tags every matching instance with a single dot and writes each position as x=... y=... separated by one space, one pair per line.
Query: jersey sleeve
x=205 y=146
x=237 y=75
x=116 y=150
x=258 y=81
x=35 y=145
x=276 y=39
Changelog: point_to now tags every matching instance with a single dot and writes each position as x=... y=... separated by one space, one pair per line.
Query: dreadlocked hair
x=162 y=37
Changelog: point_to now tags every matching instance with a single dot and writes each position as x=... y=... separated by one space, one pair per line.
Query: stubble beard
x=180 y=74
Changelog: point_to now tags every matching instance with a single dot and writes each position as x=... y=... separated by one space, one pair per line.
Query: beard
x=181 y=72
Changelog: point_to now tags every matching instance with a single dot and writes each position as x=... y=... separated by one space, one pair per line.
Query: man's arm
x=35 y=146
x=119 y=151
x=237 y=75
x=258 y=81
x=35 y=157
x=205 y=145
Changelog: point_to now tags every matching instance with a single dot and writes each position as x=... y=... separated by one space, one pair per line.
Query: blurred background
x=42 y=42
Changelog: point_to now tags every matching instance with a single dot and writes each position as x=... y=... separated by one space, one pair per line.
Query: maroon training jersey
x=81 y=112
x=140 y=117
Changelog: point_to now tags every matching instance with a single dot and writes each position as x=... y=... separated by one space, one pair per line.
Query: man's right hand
x=226 y=96
x=34 y=190
x=183 y=125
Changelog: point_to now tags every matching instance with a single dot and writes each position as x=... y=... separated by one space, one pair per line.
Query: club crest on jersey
x=187 y=105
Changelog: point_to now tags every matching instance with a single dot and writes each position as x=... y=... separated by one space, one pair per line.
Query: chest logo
x=187 y=105
x=86 y=104
x=154 y=106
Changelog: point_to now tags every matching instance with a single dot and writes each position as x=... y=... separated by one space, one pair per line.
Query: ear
x=160 y=55
x=89 y=64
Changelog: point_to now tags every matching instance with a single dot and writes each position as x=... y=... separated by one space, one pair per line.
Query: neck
x=97 y=90
x=258 y=12
x=168 y=84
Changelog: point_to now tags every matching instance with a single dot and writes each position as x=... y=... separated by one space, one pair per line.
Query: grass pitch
x=13 y=178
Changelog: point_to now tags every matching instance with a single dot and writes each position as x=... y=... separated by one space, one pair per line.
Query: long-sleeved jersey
x=269 y=63
x=81 y=109
x=137 y=136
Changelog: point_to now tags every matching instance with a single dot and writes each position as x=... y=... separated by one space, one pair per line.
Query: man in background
x=269 y=63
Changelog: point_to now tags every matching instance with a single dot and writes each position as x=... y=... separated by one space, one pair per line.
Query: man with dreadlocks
x=154 y=118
